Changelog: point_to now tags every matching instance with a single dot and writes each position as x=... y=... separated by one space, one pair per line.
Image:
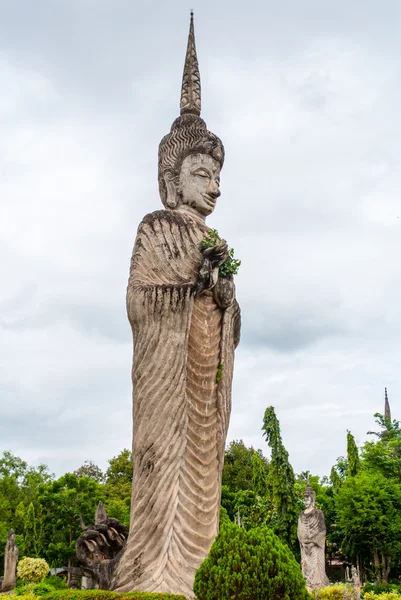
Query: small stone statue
x=98 y=550
x=312 y=539
x=10 y=563
x=356 y=582
x=185 y=322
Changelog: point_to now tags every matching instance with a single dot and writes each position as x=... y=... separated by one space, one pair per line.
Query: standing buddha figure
x=185 y=322
x=312 y=539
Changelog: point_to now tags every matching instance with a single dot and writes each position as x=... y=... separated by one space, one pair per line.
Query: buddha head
x=309 y=497
x=190 y=156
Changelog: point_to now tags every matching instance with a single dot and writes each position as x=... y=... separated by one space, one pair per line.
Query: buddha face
x=308 y=501
x=198 y=185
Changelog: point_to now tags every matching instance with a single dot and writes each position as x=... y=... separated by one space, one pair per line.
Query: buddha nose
x=213 y=189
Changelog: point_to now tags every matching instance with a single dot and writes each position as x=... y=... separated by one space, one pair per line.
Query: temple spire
x=191 y=87
x=387 y=411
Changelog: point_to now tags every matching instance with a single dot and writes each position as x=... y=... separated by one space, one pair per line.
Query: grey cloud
x=305 y=99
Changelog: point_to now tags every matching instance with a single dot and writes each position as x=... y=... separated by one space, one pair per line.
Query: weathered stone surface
x=10 y=563
x=312 y=539
x=98 y=550
x=185 y=323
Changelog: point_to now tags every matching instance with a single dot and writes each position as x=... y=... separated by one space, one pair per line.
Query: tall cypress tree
x=352 y=455
x=30 y=536
x=281 y=480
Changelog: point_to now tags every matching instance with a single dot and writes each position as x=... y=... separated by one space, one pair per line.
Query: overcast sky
x=306 y=97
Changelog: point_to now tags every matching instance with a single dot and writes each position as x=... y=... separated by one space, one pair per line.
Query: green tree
x=281 y=480
x=118 y=487
x=62 y=501
x=259 y=475
x=30 y=533
x=352 y=455
x=369 y=515
x=91 y=470
x=335 y=479
x=238 y=466
x=18 y=488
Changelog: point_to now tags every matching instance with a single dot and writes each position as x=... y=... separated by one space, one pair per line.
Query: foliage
x=49 y=584
x=378 y=589
x=30 y=534
x=106 y=595
x=33 y=570
x=352 y=455
x=59 y=583
x=259 y=475
x=238 y=466
x=369 y=514
x=281 y=480
x=91 y=470
x=119 y=486
x=219 y=373
x=248 y=565
x=18 y=488
x=338 y=591
x=383 y=596
x=231 y=266
x=61 y=501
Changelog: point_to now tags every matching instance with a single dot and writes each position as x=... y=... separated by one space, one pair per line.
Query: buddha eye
x=202 y=173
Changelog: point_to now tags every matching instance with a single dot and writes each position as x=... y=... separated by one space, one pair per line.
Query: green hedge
x=106 y=595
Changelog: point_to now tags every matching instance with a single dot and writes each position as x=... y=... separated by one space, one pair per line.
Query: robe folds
x=312 y=540
x=182 y=372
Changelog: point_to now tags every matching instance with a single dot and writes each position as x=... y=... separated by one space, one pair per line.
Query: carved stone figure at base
x=312 y=540
x=185 y=323
x=10 y=563
x=98 y=549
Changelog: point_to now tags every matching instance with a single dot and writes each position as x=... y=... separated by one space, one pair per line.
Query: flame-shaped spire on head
x=189 y=133
x=191 y=86
x=387 y=411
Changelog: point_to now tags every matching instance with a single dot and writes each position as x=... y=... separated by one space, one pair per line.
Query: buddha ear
x=171 y=187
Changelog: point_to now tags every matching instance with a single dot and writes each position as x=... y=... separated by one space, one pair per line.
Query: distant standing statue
x=10 y=563
x=185 y=323
x=356 y=582
x=312 y=539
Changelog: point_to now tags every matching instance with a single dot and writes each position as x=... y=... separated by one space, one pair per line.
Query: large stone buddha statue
x=185 y=323
x=312 y=539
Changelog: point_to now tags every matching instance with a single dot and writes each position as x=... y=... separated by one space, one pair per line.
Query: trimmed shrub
x=33 y=570
x=107 y=595
x=338 y=591
x=378 y=589
x=382 y=596
x=249 y=565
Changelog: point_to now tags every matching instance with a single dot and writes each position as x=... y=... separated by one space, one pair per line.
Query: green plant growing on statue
x=219 y=374
x=231 y=266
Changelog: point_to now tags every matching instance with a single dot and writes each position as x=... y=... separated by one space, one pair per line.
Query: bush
x=338 y=591
x=249 y=565
x=59 y=583
x=378 y=589
x=33 y=570
x=43 y=588
x=106 y=595
x=389 y=595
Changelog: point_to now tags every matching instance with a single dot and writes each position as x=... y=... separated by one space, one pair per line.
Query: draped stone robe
x=180 y=412
x=312 y=540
